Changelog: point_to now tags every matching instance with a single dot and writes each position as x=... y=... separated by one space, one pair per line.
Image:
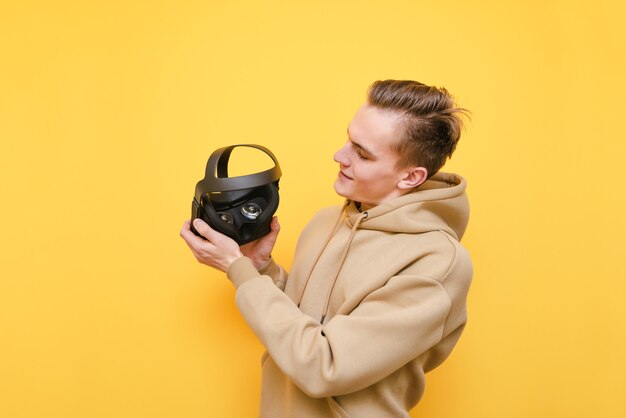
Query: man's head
x=398 y=139
x=430 y=121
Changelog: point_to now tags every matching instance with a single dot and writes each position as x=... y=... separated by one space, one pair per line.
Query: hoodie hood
x=439 y=204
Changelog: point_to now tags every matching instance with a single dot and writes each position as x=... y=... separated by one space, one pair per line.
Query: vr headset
x=240 y=207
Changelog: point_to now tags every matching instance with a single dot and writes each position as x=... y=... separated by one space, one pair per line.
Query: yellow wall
x=108 y=111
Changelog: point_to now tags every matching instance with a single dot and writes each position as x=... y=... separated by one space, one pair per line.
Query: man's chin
x=339 y=190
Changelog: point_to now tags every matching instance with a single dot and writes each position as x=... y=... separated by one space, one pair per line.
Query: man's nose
x=341 y=156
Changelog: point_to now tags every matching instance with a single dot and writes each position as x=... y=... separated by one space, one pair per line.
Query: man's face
x=368 y=171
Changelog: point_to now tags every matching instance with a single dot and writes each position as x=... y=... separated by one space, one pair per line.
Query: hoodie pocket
x=336 y=409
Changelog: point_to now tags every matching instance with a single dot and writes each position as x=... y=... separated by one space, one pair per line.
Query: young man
x=377 y=293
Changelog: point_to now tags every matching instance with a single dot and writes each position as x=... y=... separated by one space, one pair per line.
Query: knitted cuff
x=241 y=270
x=270 y=268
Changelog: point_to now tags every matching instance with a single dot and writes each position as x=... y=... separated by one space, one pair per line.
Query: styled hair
x=431 y=120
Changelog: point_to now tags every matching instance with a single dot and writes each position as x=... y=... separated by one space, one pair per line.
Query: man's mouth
x=342 y=175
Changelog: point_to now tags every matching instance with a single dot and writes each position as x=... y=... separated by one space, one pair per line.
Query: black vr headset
x=240 y=207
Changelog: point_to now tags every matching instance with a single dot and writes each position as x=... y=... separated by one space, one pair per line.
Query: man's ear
x=413 y=178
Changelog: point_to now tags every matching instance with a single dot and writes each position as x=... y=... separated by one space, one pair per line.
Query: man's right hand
x=260 y=251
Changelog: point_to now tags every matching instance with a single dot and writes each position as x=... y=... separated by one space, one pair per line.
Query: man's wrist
x=241 y=271
x=259 y=263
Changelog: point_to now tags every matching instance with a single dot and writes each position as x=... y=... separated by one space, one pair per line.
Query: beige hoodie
x=374 y=300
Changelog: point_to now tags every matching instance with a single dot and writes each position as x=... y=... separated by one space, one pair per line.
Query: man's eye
x=358 y=151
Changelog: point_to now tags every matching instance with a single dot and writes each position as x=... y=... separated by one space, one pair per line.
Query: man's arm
x=391 y=326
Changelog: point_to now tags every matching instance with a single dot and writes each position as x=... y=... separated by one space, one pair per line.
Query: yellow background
x=108 y=111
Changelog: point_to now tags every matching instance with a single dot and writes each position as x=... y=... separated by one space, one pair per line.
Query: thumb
x=204 y=229
x=270 y=238
x=274 y=227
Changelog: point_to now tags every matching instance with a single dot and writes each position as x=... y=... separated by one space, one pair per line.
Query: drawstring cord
x=358 y=221
x=322 y=248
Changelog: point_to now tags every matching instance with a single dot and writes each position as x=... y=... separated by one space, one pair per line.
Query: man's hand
x=260 y=251
x=217 y=251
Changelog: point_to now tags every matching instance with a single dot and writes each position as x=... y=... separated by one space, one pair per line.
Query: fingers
x=193 y=241
x=217 y=251
x=198 y=246
x=274 y=228
x=186 y=232
x=206 y=231
x=213 y=237
x=271 y=236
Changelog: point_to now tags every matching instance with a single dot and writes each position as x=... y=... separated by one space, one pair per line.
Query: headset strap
x=216 y=173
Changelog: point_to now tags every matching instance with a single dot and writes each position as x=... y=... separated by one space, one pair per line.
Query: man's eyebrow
x=356 y=144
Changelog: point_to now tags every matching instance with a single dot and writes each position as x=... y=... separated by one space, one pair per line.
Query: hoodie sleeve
x=391 y=326
x=242 y=270
x=276 y=272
